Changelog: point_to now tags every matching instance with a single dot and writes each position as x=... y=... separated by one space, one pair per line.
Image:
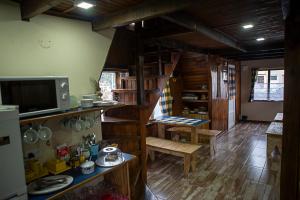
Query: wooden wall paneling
x=219 y=114
x=176 y=88
x=290 y=163
x=123 y=112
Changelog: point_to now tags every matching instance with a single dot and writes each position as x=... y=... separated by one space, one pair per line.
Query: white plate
x=105 y=103
x=32 y=186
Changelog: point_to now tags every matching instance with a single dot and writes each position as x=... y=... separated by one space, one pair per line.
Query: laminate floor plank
x=240 y=170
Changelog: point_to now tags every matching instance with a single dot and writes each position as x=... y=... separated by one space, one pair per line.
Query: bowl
x=87 y=103
x=87 y=167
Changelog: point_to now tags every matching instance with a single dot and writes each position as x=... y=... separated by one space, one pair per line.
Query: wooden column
x=139 y=62
x=290 y=163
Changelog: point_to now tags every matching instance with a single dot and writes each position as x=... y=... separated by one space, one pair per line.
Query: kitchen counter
x=120 y=172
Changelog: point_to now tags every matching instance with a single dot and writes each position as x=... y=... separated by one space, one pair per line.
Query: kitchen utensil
x=77 y=124
x=44 y=133
x=89 y=122
x=87 y=167
x=30 y=136
x=49 y=184
x=87 y=103
x=94 y=149
x=44 y=183
x=86 y=153
x=109 y=157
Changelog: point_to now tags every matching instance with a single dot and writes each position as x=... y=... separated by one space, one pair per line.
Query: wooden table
x=278 y=117
x=274 y=137
x=180 y=121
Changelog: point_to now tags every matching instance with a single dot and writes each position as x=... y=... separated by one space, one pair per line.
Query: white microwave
x=35 y=95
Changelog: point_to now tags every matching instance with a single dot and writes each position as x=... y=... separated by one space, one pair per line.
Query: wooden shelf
x=196 y=91
x=195 y=101
x=145 y=78
x=133 y=91
x=106 y=119
x=70 y=113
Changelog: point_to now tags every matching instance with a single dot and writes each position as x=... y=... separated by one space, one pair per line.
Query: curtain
x=231 y=82
x=253 y=80
x=166 y=101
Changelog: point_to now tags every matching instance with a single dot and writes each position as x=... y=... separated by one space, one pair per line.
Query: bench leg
x=187 y=165
x=152 y=155
x=194 y=161
x=212 y=146
x=194 y=136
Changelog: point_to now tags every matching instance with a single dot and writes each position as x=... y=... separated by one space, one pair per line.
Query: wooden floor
x=240 y=170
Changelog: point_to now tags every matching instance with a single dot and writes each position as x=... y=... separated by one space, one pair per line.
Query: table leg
x=161 y=130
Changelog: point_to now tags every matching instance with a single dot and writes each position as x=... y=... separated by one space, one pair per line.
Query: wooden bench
x=206 y=133
x=274 y=137
x=187 y=151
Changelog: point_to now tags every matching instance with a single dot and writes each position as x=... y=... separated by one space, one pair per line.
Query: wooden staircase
x=126 y=126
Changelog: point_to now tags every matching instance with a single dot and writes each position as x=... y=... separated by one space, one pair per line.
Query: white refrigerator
x=12 y=172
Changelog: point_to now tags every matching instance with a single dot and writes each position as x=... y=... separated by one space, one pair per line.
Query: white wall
x=261 y=111
x=50 y=45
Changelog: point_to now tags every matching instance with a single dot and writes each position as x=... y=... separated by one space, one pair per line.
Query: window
x=269 y=85
x=260 y=79
x=273 y=78
x=107 y=83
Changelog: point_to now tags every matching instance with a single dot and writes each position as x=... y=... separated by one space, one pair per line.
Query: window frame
x=269 y=79
x=116 y=79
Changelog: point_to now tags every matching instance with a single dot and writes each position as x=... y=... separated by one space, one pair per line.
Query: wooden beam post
x=139 y=66
x=145 y=10
x=290 y=163
x=192 y=24
x=31 y=8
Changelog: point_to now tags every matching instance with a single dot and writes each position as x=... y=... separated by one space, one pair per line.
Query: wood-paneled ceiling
x=222 y=22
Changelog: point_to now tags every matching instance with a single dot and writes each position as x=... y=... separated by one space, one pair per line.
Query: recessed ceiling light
x=260 y=39
x=248 y=26
x=84 y=4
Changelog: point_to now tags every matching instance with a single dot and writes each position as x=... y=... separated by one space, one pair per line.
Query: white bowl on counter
x=87 y=167
x=87 y=103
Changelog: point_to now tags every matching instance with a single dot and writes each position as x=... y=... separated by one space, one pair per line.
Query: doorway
x=231 y=96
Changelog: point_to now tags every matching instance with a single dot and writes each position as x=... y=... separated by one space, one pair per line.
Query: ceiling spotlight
x=260 y=39
x=248 y=26
x=85 y=4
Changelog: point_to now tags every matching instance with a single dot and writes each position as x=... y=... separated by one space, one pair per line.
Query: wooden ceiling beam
x=32 y=8
x=196 y=26
x=145 y=10
x=173 y=44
